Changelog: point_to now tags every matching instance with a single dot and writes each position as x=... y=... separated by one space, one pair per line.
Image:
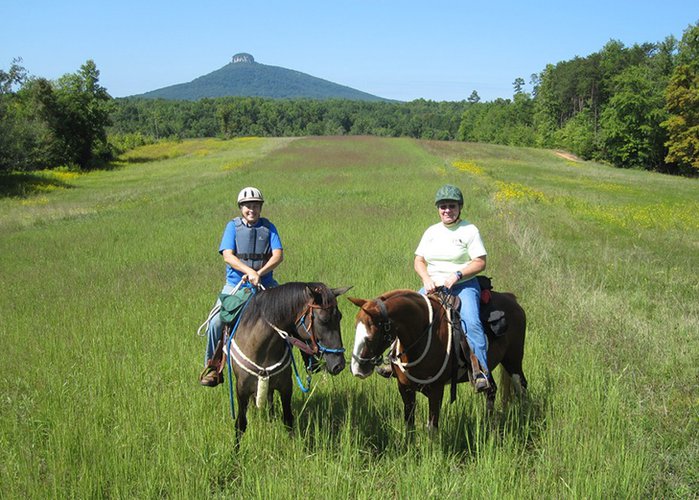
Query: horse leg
x=520 y=384
x=285 y=396
x=490 y=394
x=506 y=382
x=243 y=397
x=519 y=381
x=408 y=396
x=435 y=397
x=270 y=403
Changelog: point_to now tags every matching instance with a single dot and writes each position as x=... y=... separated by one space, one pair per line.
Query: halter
x=307 y=316
x=305 y=321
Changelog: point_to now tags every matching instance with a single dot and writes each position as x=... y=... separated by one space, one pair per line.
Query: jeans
x=470 y=294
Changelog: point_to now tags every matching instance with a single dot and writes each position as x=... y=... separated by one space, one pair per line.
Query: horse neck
x=421 y=339
x=411 y=316
x=259 y=340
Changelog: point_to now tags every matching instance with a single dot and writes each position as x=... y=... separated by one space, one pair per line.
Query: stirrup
x=481 y=382
x=210 y=377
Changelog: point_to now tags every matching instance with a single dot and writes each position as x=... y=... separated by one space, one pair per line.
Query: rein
x=430 y=326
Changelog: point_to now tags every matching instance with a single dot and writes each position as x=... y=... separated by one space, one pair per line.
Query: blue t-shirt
x=233 y=276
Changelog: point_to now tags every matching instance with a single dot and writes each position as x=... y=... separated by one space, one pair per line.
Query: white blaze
x=359 y=341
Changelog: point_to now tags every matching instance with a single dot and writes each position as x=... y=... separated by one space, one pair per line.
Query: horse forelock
x=327 y=297
x=373 y=310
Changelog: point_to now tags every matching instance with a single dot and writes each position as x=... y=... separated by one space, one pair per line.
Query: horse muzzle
x=362 y=368
x=334 y=363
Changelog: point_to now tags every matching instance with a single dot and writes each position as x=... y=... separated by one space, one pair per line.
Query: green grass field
x=106 y=277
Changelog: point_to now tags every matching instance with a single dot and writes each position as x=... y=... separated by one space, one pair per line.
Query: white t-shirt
x=446 y=249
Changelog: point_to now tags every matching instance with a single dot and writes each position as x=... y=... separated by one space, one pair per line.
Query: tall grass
x=104 y=284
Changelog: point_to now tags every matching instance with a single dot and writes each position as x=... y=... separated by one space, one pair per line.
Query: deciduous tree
x=682 y=104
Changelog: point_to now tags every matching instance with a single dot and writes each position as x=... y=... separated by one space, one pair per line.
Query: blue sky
x=404 y=50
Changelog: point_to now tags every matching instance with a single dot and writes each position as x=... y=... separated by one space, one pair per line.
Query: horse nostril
x=338 y=367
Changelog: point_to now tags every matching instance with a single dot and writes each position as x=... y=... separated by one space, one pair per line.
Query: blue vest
x=252 y=244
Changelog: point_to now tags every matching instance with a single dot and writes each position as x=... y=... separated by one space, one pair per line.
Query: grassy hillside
x=106 y=276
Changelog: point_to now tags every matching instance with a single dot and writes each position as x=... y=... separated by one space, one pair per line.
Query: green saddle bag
x=232 y=305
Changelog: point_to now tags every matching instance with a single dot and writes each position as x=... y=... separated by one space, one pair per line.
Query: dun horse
x=304 y=315
x=426 y=357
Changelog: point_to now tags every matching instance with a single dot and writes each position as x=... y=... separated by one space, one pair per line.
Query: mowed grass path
x=105 y=282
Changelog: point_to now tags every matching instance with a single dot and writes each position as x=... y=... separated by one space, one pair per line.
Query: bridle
x=305 y=321
x=386 y=325
x=308 y=342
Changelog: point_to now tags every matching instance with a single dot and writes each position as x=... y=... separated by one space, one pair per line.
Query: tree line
x=46 y=124
x=633 y=107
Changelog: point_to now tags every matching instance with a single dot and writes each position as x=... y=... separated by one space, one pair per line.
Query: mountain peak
x=242 y=57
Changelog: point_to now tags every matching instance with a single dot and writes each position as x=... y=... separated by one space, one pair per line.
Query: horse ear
x=339 y=291
x=357 y=302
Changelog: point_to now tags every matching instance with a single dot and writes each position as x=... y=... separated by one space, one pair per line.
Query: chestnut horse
x=425 y=357
x=304 y=315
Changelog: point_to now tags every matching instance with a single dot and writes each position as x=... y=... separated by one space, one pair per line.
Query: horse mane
x=280 y=304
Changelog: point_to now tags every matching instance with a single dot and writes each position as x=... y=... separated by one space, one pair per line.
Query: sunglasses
x=447 y=206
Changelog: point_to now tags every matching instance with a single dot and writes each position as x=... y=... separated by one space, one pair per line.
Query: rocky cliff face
x=243 y=58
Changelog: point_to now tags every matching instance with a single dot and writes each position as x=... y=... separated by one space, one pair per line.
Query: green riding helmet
x=449 y=193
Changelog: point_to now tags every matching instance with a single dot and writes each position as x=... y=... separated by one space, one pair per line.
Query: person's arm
x=253 y=276
x=420 y=265
x=276 y=259
x=232 y=260
x=470 y=270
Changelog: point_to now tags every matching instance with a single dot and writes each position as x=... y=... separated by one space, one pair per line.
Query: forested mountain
x=243 y=77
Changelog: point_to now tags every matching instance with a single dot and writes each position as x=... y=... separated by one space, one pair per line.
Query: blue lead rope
x=296 y=372
x=321 y=349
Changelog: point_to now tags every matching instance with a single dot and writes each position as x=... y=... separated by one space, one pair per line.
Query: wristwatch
x=459 y=275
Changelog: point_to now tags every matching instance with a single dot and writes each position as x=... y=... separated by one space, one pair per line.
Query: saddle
x=494 y=325
x=232 y=306
x=493 y=320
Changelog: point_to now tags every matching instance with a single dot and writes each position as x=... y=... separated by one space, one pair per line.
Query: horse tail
x=262 y=391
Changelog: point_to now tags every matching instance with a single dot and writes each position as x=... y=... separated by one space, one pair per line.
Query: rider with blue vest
x=251 y=249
